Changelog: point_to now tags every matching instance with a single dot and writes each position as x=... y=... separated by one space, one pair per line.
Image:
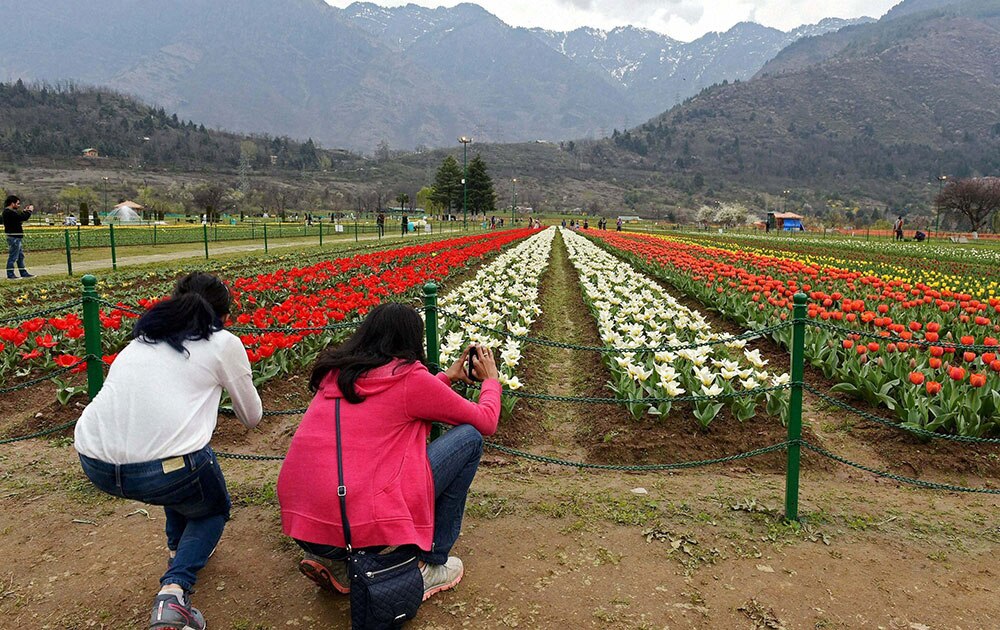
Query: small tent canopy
x=787 y=221
x=125 y=212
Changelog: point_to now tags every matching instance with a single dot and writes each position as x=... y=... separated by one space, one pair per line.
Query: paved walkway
x=197 y=251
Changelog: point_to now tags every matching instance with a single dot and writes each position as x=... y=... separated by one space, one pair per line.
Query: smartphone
x=469 y=371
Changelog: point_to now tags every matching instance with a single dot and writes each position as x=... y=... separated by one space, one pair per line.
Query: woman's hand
x=484 y=365
x=457 y=370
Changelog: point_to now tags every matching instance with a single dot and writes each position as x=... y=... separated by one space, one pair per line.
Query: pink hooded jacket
x=390 y=490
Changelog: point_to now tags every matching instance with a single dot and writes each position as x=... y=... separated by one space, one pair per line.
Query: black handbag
x=386 y=586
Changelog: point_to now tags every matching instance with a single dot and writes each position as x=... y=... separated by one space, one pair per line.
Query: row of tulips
x=897 y=343
x=298 y=301
x=633 y=311
x=502 y=296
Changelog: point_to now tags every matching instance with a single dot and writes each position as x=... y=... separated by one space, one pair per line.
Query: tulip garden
x=916 y=339
x=687 y=339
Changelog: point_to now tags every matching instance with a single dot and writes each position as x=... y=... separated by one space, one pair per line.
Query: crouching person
x=145 y=435
x=401 y=494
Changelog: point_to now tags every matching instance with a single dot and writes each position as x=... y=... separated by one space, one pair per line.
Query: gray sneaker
x=170 y=614
x=329 y=575
x=441 y=577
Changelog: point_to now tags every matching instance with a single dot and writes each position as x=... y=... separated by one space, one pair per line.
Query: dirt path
x=196 y=251
x=561 y=429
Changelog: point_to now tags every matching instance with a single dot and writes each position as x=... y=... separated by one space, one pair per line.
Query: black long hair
x=390 y=331
x=196 y=309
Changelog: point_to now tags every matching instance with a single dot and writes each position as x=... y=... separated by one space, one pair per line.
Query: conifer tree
x=448 y=185
x=482 y=197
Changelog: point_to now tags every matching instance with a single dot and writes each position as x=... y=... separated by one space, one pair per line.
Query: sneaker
x=170 y=613
x=329 y=575
x=441 y=577
x=25 y=274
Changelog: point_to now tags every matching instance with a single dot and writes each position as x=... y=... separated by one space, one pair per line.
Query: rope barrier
x=612 y=349
x=978 y=348
x=61 y=427
x=932 y=485
x=895 y=425
x=637 y=467
x=48 y=311
x=643 y=401
x=42 y=379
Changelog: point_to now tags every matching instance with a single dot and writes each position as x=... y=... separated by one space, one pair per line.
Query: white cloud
x=680 y=19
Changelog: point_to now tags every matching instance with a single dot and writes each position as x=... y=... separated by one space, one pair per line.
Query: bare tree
x=975 y=198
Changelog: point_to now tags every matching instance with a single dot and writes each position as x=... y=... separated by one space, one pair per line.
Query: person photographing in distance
x=13 y=227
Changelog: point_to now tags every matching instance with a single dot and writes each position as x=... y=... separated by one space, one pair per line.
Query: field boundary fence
x=792 y=445
x=113 y=236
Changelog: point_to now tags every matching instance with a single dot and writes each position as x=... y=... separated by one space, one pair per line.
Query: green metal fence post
x=114 y=256
x=321 y=234
x=92 y=336
x=265 y=238
x=433 y=347
x=154 y=234
x=204 y=231
x=216 y=232
x=795 y=408
x=252 y=231
x=69 y=257
x=356 y=231
x=78 y=245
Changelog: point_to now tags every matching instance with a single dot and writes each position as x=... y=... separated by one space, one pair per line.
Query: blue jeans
x=15 y=254
x=454 y=459
x=194 y=499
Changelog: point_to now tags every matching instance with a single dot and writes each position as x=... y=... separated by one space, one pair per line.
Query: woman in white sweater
x=145 y=435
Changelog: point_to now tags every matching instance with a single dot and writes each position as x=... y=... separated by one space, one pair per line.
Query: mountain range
x=367 y=75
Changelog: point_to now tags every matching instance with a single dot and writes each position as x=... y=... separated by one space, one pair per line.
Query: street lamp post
x=105 y=196
x=937 y=217
x=513 y=199
x=465 y=140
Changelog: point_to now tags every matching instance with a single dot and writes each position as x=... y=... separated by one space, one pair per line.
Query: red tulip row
x=926 y=353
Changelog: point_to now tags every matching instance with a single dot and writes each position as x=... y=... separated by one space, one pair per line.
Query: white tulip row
x=504 y=296
x=633 y=311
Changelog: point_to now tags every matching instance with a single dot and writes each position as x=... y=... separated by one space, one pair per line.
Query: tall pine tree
x=482 y=197
x=448 y=185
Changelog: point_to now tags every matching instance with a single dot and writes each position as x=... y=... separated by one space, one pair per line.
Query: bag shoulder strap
x=341 y=488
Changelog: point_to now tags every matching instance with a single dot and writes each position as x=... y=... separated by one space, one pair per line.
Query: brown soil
x=544 y=546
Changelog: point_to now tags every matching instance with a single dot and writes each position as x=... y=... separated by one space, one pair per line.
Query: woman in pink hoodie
x=403 y=491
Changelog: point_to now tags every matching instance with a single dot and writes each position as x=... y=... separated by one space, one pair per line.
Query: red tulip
x=956 y=373
x=932 y=387
x=977 y=379
x=917 y=378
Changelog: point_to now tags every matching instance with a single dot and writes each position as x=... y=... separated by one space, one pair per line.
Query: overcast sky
x=681 y=19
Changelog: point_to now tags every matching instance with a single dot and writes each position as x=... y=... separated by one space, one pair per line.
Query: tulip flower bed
x=287 y=309
x=922 y=372
x=502 y=296
x=633 y=311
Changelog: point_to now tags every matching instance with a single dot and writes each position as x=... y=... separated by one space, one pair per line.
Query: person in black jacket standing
x=13 y=227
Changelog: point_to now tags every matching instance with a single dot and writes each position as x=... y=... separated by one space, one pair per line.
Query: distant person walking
x=618 y=226
x=898 y=228
x=13 y=227
x=405 y=225
x=380 y=224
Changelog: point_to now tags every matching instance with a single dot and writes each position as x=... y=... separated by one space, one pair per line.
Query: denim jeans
x=454 y=459
x=194 y=499
x=15 y=254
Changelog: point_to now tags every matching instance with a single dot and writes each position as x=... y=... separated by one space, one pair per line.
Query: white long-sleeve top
x=158 y=403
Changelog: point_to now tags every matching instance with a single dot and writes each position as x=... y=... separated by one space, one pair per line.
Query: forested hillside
x=60 y=122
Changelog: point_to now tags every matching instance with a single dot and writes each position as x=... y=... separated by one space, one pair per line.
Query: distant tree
x=705 y=215
x=425 y=201
x=73 y=196
x=403 y=200
x=208 y=197
x=974 y=198
x=732 y=214
x=482 y=197
x=448 y=185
